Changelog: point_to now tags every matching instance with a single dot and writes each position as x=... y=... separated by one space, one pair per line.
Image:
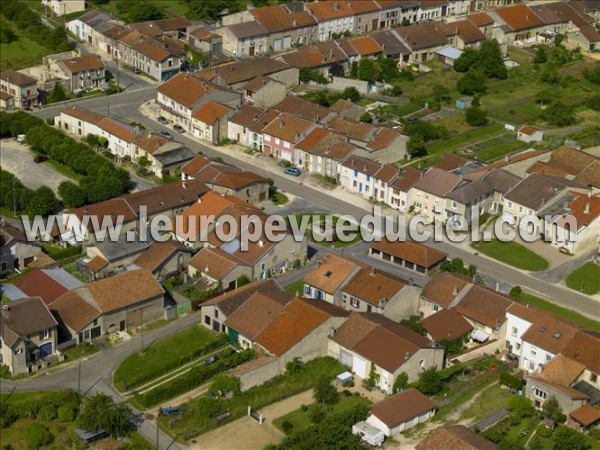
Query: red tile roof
x=413 y=252
x=480 y=19
x=586 y=415
x=39 y=284
x=519 y=17
x=402 y=407
x=210 y=112
x=83 y=63
x=374 y=286
x=446 y=324
x=185 y=89
x=366 y=46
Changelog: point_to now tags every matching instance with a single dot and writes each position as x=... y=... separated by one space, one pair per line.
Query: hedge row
x=143 y=377
x=51 y=406
x=13 y=194
x=101 y=179
x=61 y=253
x=194 y=378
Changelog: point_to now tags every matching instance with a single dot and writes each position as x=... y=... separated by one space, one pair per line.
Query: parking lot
x=18 y=159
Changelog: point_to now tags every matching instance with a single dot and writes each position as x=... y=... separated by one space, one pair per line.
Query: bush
x=37 y=435
x=544 y=431
x=58 y=253
x=8 y=416
x=510 y=380
x=287 y=426
x=303 y=408
x=476 y=116
x=471 y=83
x=47 y=413
x=317 y=413
x=66 y=413
x=516 y=291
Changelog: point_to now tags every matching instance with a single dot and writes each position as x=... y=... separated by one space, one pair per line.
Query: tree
x=6 y=35
x=71 y=194
x=366 y=117
x=336 y=70
x=476 y=116
x=306 y=74
x=354 y=70
x=374 y=377
x=368 y=70
x=414 y=323
x=430 y=381
x=351 y=93
x=490 y=60
x=102 y=413
x=294 y=367
x=58 y=94
x=401 y=382
x=325 y=392
x=224 y=383
x=42 y=202
x=567 y=439
x=559 y=114
x=440 y=93
x=540 y=55
x=552 y=409
x=143 y=163
x=416 y=146
x=396 y=91
x=466 y=61
x=471 y=83
x=520 y=408
x=593 y=75
x=389 y=68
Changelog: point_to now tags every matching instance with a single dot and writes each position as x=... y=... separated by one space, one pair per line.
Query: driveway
x=18 y=159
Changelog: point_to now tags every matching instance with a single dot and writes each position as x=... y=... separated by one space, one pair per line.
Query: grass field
x=495 y=148
x=161 y=356
x=564 y=313
x=465 y=140
x=586 y=279
x=513 y=254
x=22 y=52
x=491 y=399
x=301 y=420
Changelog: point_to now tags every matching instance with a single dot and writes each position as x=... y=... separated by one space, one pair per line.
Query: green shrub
x=37 y=435
x=8 y=416
x=303 y=408
x=47 y=413
x=287 y=426
x=510 y=380
x=66 y=413
x=317 y=413
x=544 y=431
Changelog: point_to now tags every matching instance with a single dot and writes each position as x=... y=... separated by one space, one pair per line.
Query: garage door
x=359 y=367
x=287 y=42
x=346 y=358
x=277 y=45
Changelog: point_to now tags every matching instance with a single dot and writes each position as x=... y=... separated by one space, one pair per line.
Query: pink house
x=283 y=133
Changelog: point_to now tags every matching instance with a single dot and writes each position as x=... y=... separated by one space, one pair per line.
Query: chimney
x=406 y=356
x=318 y=263
x=332 y=332
x=586 y=210
x=261 y=244
x=183 y=185
x=497 y=286
x=455 y=291
x=372 y=271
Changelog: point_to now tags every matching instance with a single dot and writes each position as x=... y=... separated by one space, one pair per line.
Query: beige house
x=325 y=282
x=83 y=72
x=63 y=7
x=209 y=122
x=427 y=195
x=166 y=156
x=29 y=336
x=16 y=251
x=264 y=92
x=19 y=89
x=378 y=350
x=401 y=412
x=118 y=303
x=216 y=267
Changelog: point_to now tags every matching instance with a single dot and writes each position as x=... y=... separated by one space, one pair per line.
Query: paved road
x=97 y=371
x=18 y=159
x=125 y=107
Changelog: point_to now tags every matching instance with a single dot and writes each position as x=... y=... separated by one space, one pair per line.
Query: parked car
x=162 y=120
x=294 y=171
x=136 y=70
x=170 y=411
x=40 y=159
x=212 y=359
x=179 y=128
x=166 y=134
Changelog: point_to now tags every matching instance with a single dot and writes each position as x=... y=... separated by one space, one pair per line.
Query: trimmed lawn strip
x=513 y=254
x=301 y=419
x=564 y=313
x=296 y=286
x=586 y=279
x=165 y=355
x=200 y=414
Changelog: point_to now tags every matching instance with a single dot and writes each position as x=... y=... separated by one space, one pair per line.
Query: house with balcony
x=19 y=90
x=29 y=336
x=84 y=72
x=64 y=7
x=281 y=136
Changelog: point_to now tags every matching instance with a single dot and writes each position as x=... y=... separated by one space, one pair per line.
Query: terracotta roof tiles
x=402 y=407
x=455 y=437
x=331 y=272
x=446 y=324
x=373 y=286
x=413 y=252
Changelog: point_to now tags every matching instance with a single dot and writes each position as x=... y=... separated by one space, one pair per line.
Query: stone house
x=22 y=89
x=209 y=122
x=322 y=152
x=325 y=282
x=118 y=303
x=16 y=251
x=166 y=157
x=84 y=72
x=246 y=39
x=94 y=29
x=264 y=92
x=287 y=25
x=281 y=136
x=63 y=7
x=163 y=259
x=29 y=336
x=401 y=411
x=379 y=349
x=218 y=267
x=239 y=123
x=427 y=195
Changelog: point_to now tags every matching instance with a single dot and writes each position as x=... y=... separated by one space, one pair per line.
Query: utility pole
x=14 y=196
x=79 y=378
x=118 y=85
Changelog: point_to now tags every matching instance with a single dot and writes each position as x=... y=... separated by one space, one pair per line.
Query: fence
x=364 y=87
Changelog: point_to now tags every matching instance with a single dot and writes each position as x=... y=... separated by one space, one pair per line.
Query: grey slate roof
x=175 y=156
x=535 y=190
x=501 y=180
x=470 y=192
x=247 y=29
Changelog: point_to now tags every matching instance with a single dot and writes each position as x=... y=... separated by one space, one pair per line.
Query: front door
x=251 y=51
x=122 y=325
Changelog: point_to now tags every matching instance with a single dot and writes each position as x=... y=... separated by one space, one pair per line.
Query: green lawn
x=297 y=286
x=513 y=254
x=198 y=414
x=279 y=199
x=22 y=52
x=491 y=399
x=401 y=109
x=495 y=148
x=81 y=351
x=465 y=140
x=585 y=279
x=162 y=356
x=565 y=313
x=316 y=218
x=300 y=420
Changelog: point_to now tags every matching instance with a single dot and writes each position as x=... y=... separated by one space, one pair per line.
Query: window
x=355 y=173
x=354 y=184
x=216 y=314
x=539 y=393
x=533 y=352
x=354 y=302
x=454 y=204
x=514 y=331
x=277 y=141
x=531 y=366
x=548 y=357
x=46 y=333
x=518 y=346
x=368 y=177
x=19 y=351
x=422 y=364
x=435 y=307
x=593 y=377
x=426 y=197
